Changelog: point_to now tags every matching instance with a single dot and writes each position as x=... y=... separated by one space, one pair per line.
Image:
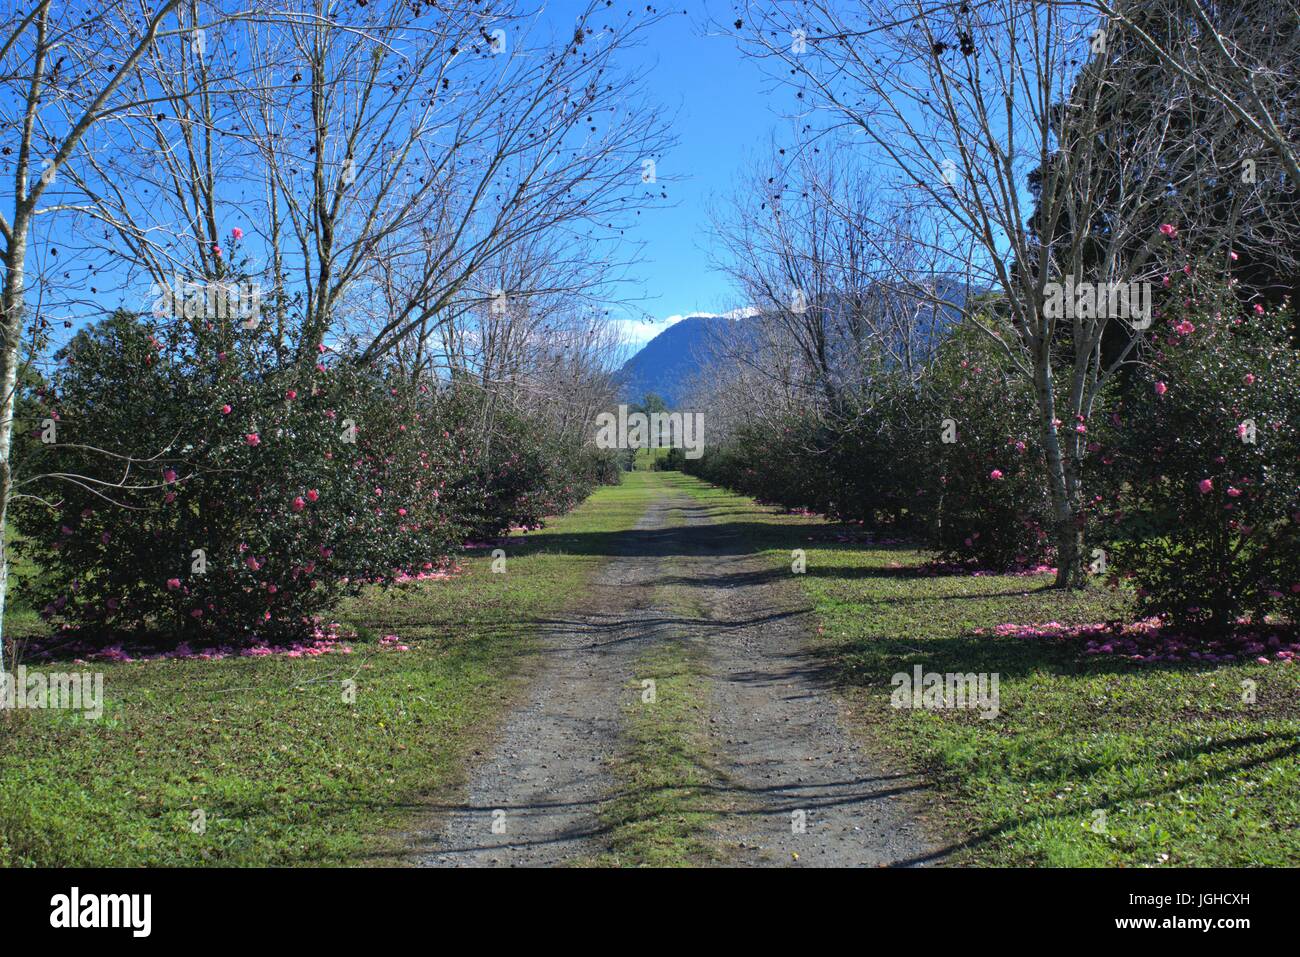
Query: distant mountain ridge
x=667 y=362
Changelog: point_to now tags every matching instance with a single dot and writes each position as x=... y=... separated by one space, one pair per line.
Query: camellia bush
x=198 y=488
x=517 y=470
x=1206 y=520
x=985 y=470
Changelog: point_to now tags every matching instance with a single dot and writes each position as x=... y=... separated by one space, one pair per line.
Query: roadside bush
x=208 y=492
x=1207 y=519
x=991 y=505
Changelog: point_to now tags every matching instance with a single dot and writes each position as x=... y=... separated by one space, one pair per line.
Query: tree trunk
x=1063 y=485
x=11 y=330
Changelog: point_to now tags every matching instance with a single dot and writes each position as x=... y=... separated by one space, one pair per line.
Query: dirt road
x=792 y=787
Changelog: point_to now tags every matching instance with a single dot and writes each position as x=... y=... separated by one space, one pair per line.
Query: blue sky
x=722 y=116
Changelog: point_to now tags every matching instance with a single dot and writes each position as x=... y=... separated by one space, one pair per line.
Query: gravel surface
x=794 y=788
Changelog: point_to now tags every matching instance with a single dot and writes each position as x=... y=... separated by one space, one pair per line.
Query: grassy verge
x=665 y=806
x=661 y=815
x=282 y=768
x=1091 y=761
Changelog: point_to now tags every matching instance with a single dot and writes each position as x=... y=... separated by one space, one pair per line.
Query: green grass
x=665 y=805
x=646 y=458
x=661 y=815
x=285 y=771
x=1182 y=771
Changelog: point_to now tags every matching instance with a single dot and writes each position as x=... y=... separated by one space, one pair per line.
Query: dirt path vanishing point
x=779 y=744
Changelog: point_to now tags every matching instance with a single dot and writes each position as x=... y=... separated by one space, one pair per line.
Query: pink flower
x=252 y=563
x=1184 y=328
x=313 y=495
x=225 y=410
x=1234 y=492
x=1205 y=485
x=252 y=438
x=216 y=250
x=291 y=395
x=169 y=476
x=236 y=233
x=298 y=503
x=1259 y=309
x=996 y=475
x=173 y=584
x=320 y=347
x=1168 y=230
x=1250 y=378
x=197 y=613
x=1161 y=388
x=1232 y=256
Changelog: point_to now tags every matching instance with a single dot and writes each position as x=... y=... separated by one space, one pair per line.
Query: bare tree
x=1243 y=55
x=983 y=108
x=64 y=73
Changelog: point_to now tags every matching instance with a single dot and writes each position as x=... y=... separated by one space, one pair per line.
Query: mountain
x=668 y=361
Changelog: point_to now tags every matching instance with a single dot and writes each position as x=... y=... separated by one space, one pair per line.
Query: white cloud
x=640 y=331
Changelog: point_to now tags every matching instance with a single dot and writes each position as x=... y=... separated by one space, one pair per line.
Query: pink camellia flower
x=169 y=476
x=1184 y=328
x=253 y=563
x=1259 y=309
x=216 y=250
x=313 y=495
x=173 y=584
x=1168 y=230
x=298 y=503
x=326 y=551
x=1250 y=378
x=996 y=475
x=1161 y=388
x=291 y=395
x=401 y=511
x=1205 y=485
x=169 y=498
x=252 y=438
x=1234 y=492
x=1165 y=282
x=320 y=347
x=225 y=410
x=236 y=233
x=1232 y=256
